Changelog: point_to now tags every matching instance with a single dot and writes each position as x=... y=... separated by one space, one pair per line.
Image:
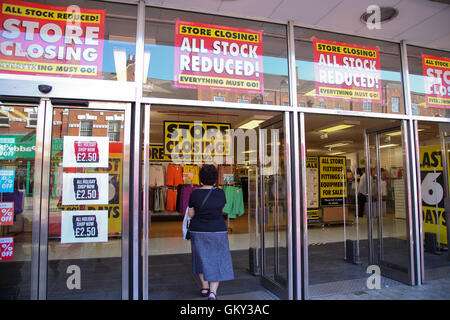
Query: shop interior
x=169 y=254
x=338 y=233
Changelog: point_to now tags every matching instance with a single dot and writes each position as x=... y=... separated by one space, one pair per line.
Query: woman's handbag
x=187 y=219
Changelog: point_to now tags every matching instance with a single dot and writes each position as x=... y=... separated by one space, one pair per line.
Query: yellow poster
x=333 y=180
x=433 y=192
x=198 y=141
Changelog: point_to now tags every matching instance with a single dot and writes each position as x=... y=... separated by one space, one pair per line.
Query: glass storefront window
x=428 y=74
x=342 y=72
x=44 y=40
x=251 y=70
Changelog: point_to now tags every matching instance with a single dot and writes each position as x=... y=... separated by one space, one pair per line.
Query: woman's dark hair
x=208 y=174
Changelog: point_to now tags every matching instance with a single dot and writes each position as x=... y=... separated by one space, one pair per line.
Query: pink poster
x=37 y=39
x=218 y=57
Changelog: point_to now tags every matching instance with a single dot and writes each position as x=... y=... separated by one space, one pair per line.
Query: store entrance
x=356 y=240
x=247 y=148
x=391 y=251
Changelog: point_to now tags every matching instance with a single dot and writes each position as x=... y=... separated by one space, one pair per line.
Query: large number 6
x=432 y=191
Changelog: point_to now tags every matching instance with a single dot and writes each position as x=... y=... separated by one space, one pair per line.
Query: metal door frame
x=386 y=269
x=42 y=186
x=270 y=284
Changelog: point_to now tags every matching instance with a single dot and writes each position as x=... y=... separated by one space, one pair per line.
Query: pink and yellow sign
x=37 y=39
x=436 y=71
x=218 y=57
x=347 y=71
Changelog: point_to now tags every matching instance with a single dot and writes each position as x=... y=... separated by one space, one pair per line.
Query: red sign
x=216 y=57
x=347 y=71
x=6 y=213
x=86 y=152
x=39 y=39
x=436 y=71
x=6 y=249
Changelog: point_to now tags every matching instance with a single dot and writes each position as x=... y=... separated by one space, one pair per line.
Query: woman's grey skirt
x=211 y=255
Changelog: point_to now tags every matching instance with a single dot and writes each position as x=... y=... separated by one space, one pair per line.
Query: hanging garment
x=235 y=201
x=156 y=176
x=171 y=200
x=185 y=194
x=191 y=174
x=224 y=170
x=174 y=175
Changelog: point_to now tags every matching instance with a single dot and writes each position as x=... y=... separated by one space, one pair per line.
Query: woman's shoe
x=212 y=298
x=204 y=294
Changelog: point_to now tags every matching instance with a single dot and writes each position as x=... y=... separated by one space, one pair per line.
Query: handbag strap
x=207 y=196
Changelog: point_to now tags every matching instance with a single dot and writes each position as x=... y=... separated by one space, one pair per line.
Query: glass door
x=18 y=190
x=273 y=207
x=389 y=215
x=84 y=202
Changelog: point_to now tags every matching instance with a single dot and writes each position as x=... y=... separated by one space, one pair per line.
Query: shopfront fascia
x=130 y=98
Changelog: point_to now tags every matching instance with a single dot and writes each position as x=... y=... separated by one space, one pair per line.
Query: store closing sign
x=218 y=57
x=436 y=71
x=195 y=140
x=432 y=190
x=347 y=71
x=40 y=39
x=333 y=181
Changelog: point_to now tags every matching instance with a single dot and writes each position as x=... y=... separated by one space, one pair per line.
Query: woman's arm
x=191 y=212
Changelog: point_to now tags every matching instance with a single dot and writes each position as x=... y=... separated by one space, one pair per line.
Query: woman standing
x=211 y=258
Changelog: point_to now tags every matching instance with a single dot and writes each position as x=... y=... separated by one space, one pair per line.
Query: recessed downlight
x=386 y=14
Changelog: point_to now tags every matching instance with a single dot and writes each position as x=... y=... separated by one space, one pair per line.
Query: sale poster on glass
x=7 y=180
x=347 y=71
x=218 y=57
x=84 y=226
x=85 y=188
x=436 y=71
x=41 y=39
x=6 y=213
x=85 y=152
x=6 y=249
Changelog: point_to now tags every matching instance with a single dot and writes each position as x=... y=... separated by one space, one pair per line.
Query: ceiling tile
x=305 y=13
x=251 y=8
x=212 y=5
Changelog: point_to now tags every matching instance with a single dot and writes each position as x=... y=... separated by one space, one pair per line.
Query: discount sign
x=6 y=248
x=7 y=180
x=6 y=213
x=210 y=56
x=432 y=189
x=39 y=39
x=347 y=71
x=437 y=81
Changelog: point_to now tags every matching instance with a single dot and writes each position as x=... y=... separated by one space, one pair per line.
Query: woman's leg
x=205 y=284
x=213 y=285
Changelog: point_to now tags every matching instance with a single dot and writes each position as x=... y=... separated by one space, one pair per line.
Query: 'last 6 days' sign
x=347 y=71
x=210 y=56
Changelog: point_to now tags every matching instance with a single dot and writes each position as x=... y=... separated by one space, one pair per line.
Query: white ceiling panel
x=345 y=17
x=306 y=12
x=431 y=29
x=212 y=5
x=249 y=7
x=411 y=13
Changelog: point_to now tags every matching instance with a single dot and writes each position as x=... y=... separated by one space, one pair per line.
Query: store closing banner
x=347 y=71
x=436 y=71
x=218 y=57
x=38 y=39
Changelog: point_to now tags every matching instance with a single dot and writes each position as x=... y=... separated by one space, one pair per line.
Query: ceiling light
x=336 y=153
x=252 y=124
x=337 y=128
x=386 y=14
x=339 y=144
x=389 y=145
